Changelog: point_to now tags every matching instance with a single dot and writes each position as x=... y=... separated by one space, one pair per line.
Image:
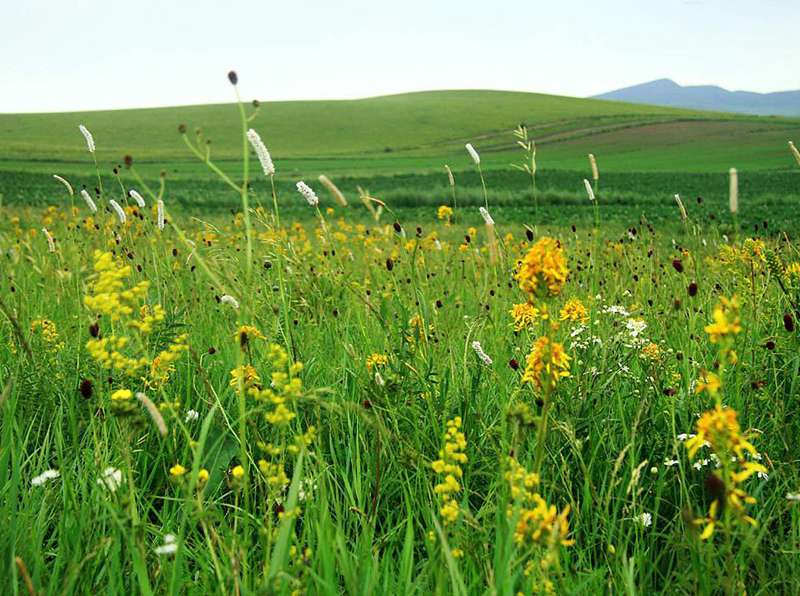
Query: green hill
x=410 y=132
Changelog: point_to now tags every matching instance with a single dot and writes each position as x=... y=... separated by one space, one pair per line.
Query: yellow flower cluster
x=107 y=351
x=376 y=360
x=108 y=295
x=163 y=364
x=246 y=333
x=444 y=213
x=524 y=315
x=574 y=311
x=651 y=352
x=543 y=270
x=149 y=316
x=451 y=456
x=546 y=365
x=49 y=334
x=719 y=428
x=726 y=321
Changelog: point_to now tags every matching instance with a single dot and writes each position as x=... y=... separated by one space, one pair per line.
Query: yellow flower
x=202 y=476
x=177 y=471
x=726 y=320
x=547 y=364
x=451 y=456
x=708 y=381
x=524 y=315
x=245 y=374
x=652 y=352
x=444 y=213
x=122 y=395
x=720 y=428
x=574 y=310
x=237 y=472
x=544 y=269
x=245 y=333
x=375 y=360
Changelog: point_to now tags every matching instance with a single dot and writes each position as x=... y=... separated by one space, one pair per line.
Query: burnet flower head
x=473 y=153
x=589 y=189
x=89 y=201
x=486 y=217
x=310 y=196
x=484 y=357
x=160 y=214
x=118 y=210
x=261 y=152
x=66 y=183
x=134 y=194
x=88 y=136
x=230 y=301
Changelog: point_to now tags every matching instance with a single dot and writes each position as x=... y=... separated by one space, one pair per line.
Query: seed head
x=233 y=77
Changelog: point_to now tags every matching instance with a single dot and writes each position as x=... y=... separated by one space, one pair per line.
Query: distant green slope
x=412 y=132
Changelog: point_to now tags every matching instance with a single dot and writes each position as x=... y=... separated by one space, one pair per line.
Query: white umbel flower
x=160 y=214
x=473 y=154
x=191 y=416
x=51 y=244
x=733 y=193
x=111 y=479
x=484 y=357
x=230 y=301
x=644 y=519
x=118 y=210
x=310 y=196
x=88 y=136
x=134 y=194
x=45 y=477
x=589 y=189
x=486 y=217
x=169 y=547
x=89 y=202
x=261 y=152
x=65 y=183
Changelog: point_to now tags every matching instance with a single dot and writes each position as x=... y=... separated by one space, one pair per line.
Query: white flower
x=118 y=210
x=261 y=152
x=379 y=379
x=793 y=496
x=136 y=197
x=671 y=462
x=437 y=244
x=45 y=477
x=486 y=217
x=169 y=547
x=230 y=301
x=476 y=345
x=89 y=201
x=65 y=183
x=310 y=196
x=88 y=136
x=51 y=244
x=589 y=189
x=635 y=327
x=644 y=519
x=473 y=154
x=160 y=214
x=191 y=416
x=111 y=478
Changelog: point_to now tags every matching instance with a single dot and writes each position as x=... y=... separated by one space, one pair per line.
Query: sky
x=62 y=55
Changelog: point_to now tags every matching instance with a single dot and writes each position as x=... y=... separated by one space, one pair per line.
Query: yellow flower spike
x=544 y=269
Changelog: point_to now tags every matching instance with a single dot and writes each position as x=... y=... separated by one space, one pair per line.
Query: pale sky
x=61 y=55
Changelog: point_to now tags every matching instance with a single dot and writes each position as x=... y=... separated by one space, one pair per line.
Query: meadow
x=450 y=381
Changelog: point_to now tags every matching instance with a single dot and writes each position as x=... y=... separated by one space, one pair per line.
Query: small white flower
x=111 y=478
x=671 y=462
x=230 y=301
x=644 y=519
x=310 y=196
x=589 y=189
x=51 y=244
x=89 y=201
x=169 y=547
x=379 y=379
x=160 y=214
x=473 y=154
x=118 y=210
x=261 y=152
x=635 y=327
x=45 y=477
x=65 y=183
x=486 y=217
x=793 y=496
x=191 y=416
x=136 y=197
x=476 y=345
x=88 y=136
x=437 y=244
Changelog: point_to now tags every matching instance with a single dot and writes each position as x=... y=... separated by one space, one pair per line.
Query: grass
x=323 y=478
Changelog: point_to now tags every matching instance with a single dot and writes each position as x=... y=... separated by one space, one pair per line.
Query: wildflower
x=111 y=479
x=137 y=197
x=483 y=356
x=202 y=476
x=575 y=311
x=169 y=547
x=118 y=210
x=450 y=179
x=473 y=154
x=733 y=192
x=261 y=152
x=246 y=375
x=682 y=209
x=177 y=471
x=635 y=327
x=444 y=213
x=644 y=519
x=589 y=189
x=486 y=217
x=708 y=381
x=376 y=360
x=543 y=269
x=524 y=315
x=191 y=416
x=89 y=201
x=309 y=195
x=88 y=136
x=230 y=301
x=652 y=352
x=160 y=214
x=546 y=364
x=66 y=184
x=793 y=496
x=247 y=332
x=726 y=321
x=720 y=428
x=795 y=152
x=593 y=164
x=448 y=467
x=237 y=472
x=45 y=477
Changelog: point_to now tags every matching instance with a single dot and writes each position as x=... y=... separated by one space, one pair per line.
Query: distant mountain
x=665 y=92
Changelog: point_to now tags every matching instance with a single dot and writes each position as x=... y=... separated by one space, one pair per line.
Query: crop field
x=239 y=378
